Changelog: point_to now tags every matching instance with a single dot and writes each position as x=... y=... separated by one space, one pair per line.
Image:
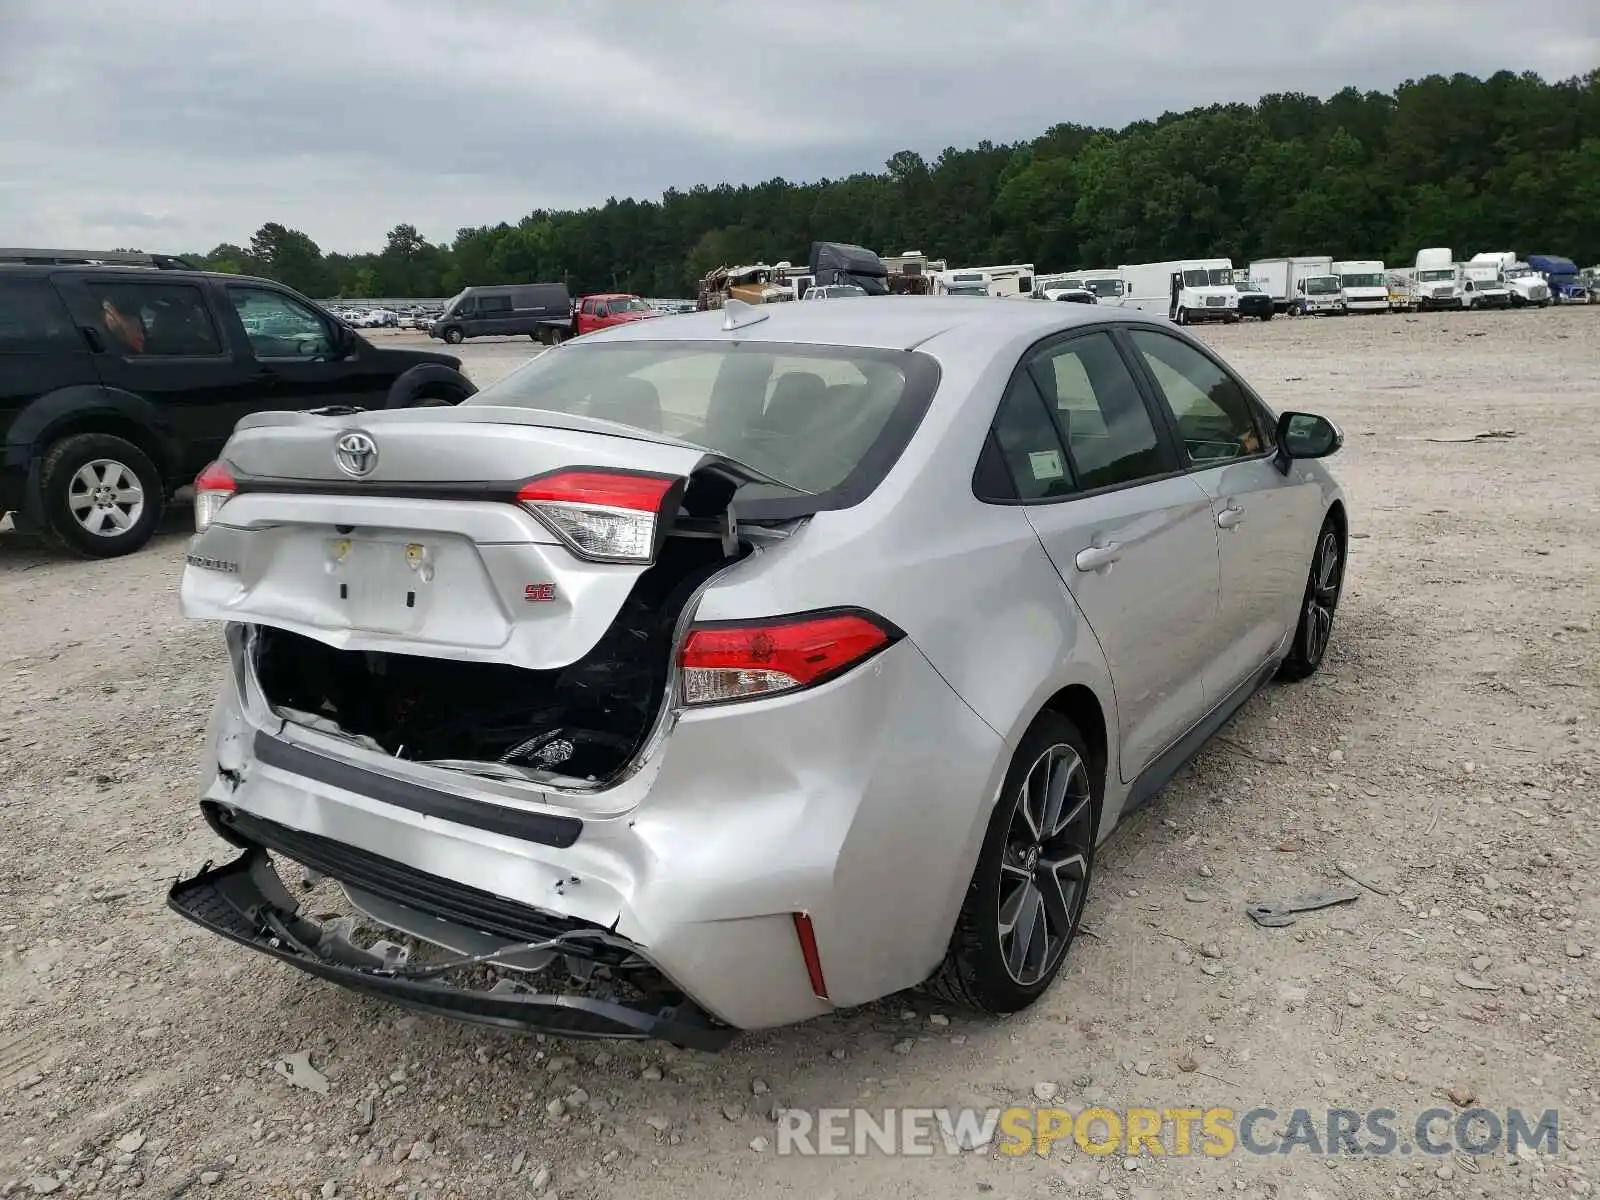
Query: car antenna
x=737 y=314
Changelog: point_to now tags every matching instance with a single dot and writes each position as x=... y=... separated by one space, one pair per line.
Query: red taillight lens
x=604 y=516
x=213 y=488
x=745 y=660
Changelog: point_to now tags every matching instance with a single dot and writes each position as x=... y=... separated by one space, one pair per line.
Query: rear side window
x=153 y=320
x=33 y=319
x=1029 y=445
x=494 y=304
x=1215 y=418
x=828 y=421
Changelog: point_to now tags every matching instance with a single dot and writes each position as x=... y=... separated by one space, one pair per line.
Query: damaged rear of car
x=468 y=685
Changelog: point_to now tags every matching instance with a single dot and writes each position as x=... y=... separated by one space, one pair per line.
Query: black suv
x=122 y=375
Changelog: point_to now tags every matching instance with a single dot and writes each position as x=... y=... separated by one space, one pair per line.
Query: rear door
x=162 y=340
x=1131 y=536
x=297 y=358
x=1266 y=522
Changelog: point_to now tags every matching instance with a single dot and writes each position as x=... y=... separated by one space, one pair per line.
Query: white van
x=1186 y=289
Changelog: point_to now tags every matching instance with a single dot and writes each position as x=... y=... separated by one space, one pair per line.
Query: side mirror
x=1305 y=435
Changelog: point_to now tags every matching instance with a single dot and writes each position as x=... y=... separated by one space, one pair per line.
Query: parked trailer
x=1280 y=278
x=1186 y=289
x=1364 y=285
x=1402 y=288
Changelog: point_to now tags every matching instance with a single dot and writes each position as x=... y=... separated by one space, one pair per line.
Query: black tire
x=976 y=972
x=1314 y=630
x=1266 y=316
x=429 y=385
x=1183 y=316
x=67 y=518
x=453 y=336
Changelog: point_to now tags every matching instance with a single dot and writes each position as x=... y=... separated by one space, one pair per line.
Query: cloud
x=176 y=126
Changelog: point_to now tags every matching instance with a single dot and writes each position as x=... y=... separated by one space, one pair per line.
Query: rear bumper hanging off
x=246 y=902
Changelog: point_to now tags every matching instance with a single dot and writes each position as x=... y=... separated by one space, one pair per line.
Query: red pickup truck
x=608 y=309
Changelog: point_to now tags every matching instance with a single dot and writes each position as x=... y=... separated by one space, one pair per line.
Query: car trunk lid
x=461 y=533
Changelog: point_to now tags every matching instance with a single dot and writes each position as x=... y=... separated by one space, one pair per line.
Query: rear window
x=828 y=421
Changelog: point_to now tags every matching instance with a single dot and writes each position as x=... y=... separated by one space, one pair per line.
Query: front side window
x=153 y=320
x=1089 y=391
x=279 y=326
x=1214 y=416
x=33 y=319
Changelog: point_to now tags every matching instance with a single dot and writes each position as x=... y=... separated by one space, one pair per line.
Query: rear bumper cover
x=245 y=902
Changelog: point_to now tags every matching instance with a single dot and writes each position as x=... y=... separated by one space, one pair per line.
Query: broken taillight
x=742 y=660
x=213 y=488
x=603 y=515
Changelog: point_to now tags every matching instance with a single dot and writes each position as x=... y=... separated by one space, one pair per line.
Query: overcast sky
x=173 y=125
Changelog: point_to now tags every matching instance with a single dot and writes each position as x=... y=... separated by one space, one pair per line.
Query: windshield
x=1213 y=277
x=1364 y=280
x=1056 y=285
x=1517 y=272
x=1435 y=276
x=968 y=289
x=626 y=304
x=810 y=416
x=1246 y=287
x=835 y=290
x=1322 y=285
x=1104 y=287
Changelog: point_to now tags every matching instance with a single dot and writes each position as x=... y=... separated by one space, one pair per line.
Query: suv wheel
x=453 y=336
x=102 y=495
x=1027 y=892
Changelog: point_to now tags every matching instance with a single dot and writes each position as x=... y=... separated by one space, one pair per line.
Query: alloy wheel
x=1327 y=574
x=105 y=497
x=1045 y=865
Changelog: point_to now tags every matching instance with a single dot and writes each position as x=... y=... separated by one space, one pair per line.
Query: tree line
x=1511 y=162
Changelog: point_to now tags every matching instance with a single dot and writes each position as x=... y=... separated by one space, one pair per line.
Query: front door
x=1262 y=516
x=297 y=358
x=1131 y=536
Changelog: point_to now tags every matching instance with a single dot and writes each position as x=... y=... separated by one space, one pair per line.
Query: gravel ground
x=1445 y=755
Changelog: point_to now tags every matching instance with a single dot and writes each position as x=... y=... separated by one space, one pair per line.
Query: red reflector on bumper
x=808 y=951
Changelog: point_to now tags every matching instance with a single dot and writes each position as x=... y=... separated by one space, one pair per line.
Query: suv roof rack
x=100 y=258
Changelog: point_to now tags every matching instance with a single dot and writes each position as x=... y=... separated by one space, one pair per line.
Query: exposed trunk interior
x=585 y=721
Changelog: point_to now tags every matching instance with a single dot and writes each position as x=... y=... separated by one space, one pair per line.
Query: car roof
x=875 y=322
x=128 y=274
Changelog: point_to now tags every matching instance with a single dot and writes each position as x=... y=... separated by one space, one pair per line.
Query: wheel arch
x=92 y=409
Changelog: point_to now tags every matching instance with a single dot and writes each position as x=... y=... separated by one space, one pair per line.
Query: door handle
x=1098 y=558
x=1229 y=517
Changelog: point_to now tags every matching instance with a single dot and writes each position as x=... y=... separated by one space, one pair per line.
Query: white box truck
x=1435 y=282
x=1280 y=277
x=1482 y=287
x=1524 y=285
x=1186 y=289
x=1318 y=295
x=1364 y=284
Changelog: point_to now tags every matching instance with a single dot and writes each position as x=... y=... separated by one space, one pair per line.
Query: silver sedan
x=719 y=671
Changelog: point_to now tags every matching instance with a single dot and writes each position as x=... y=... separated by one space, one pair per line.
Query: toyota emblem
x=356 y=453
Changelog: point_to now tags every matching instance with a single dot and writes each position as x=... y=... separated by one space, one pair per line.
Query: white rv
x=1364 y=284
x=1280 y=278
x=1186 y=289
x=969 y=282
x=1523 y=284
x=1436 y=282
